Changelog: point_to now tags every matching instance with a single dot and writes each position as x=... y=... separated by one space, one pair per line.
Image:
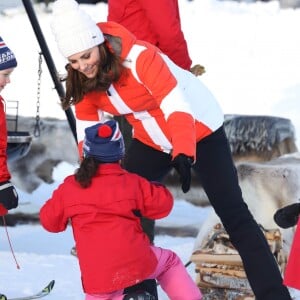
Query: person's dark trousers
x=218 y=176
x=219 y=179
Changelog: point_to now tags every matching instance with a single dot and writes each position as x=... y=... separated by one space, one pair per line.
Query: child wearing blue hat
x=104 y=203
x=8 y=193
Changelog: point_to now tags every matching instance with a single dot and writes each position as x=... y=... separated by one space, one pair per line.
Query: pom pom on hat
x=104 y=141
x=7 y=58
x=73 y=28
x=104 y=131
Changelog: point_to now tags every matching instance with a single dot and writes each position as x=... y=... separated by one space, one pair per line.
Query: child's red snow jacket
x=158 y=24
x=169 y=108
x=112 y=249
x=4 y=172
x=291 y=275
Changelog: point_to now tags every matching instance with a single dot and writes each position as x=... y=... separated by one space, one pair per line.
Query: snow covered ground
x=251 y=54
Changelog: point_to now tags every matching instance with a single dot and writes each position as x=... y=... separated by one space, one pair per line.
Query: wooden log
x=219 y=268
x=226 y=259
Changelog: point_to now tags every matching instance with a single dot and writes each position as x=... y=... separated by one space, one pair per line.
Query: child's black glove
x=8 y=195
x=182 y=165
x=287 y=216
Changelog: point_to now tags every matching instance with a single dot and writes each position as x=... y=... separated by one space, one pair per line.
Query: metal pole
x=51 y=66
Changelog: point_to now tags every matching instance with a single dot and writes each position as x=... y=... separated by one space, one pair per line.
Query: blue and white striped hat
x=7 y=58
x=104 y=141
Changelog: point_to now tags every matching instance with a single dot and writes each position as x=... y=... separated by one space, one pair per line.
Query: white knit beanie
x=74 y=29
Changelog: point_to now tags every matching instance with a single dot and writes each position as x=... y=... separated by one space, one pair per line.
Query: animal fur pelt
x=266 y=187
x=262 y=136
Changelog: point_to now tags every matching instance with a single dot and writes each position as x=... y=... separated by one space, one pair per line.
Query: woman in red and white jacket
x=8 y=194
x=176 y=122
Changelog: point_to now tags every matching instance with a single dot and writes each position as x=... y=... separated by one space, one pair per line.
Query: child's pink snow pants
x=171 y=275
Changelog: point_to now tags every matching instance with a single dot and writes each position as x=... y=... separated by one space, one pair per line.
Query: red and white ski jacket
x=169 y=108
x=158 y=24
x=112 y=249
x=4 y=173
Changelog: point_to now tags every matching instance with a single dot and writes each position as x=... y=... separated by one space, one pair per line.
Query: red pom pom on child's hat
x=104 y=131
x=104 y=141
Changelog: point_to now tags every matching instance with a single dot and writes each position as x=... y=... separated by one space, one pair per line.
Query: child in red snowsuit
x=8 y=194
x=103 y=202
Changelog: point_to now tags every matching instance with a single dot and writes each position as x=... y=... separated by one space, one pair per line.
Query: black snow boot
x=140 y=295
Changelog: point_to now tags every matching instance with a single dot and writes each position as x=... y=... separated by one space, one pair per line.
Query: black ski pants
x=218 y=176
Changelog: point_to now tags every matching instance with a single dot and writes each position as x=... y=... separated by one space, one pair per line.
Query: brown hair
x=77 y=85
x=86 y=171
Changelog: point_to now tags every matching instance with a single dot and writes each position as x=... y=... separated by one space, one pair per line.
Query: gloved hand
x=8 y=195
x=182 y=164
x=287 y=216
x=197 y=70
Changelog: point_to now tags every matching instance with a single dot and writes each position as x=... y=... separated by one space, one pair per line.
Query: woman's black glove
x=182 y=165
x=8 y=195
x=287 y=216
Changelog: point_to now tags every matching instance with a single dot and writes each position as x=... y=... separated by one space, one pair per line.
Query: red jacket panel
x=4 y=173
x=157 y=22
x=112 y=249
x=291 y=275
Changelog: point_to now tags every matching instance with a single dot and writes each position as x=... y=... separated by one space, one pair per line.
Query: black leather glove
x=8 y=195
x=287 y=216
x=182 y=165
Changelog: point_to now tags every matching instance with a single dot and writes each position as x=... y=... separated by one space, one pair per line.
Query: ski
x=44 y=292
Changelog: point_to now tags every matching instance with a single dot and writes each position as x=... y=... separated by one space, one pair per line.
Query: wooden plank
x=226 y=259
x=228 y=272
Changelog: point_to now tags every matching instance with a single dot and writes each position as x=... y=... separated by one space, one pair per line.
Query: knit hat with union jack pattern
x=104 y=141
x=7 y=58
